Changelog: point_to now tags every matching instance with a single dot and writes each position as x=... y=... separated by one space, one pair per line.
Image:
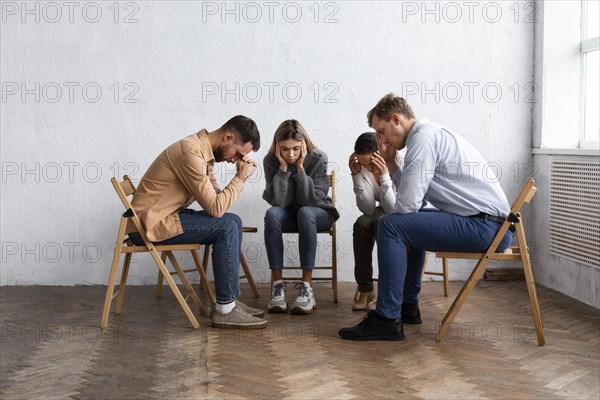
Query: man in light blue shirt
x=440 y=168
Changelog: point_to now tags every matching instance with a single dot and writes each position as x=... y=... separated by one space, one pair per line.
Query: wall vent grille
x=575 y=211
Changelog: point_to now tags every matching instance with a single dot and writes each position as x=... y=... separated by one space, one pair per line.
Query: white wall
x=468 y=65
x=556 y=128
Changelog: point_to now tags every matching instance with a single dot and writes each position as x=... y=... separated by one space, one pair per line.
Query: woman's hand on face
x=379 y=163
x=282 y=163
x=303 y=153
x=354 y=165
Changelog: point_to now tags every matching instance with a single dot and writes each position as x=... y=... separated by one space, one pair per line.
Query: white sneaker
x=277 y=303
x=305 y=300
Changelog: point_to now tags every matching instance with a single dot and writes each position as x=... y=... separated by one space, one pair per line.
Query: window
x=590 y=53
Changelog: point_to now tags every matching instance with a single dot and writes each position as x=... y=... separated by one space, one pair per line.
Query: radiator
x=575 y=211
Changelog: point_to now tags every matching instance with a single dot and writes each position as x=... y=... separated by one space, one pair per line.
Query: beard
x=218 y=153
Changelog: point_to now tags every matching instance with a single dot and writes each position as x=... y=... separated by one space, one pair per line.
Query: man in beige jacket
x=182 y=174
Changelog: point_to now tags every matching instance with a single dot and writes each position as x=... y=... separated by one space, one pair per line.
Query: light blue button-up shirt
x=445 y=170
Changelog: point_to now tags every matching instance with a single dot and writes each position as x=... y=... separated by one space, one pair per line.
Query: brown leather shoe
x=362 y=299
x=372 y=304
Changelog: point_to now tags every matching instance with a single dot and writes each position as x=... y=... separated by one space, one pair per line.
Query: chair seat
x=509 y=255
x=168 y=247
x=328 y=231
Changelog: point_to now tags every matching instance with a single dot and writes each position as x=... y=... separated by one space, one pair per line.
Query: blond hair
x=291 y=129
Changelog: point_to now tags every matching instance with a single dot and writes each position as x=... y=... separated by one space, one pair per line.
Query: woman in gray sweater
x=297 y=187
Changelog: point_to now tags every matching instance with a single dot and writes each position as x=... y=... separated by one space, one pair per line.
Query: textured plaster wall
x=83 y=101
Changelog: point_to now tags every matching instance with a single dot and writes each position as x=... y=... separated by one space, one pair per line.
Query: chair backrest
x=127 y=188
x=124 y=188
x=525 y=196
x=513 y=217
x=126 y=185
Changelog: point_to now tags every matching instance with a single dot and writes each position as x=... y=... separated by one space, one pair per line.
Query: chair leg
x=109 y=293
x=445 y=275
x=163 y=269
x=424 y=270
x=248 y=275
x=186 y=283
x=334 y=282
x=123 y=283
x=203 y=279
x=533 y=299
x=205 y=259
x=112 y=277
x=462 y=296
x=159 y=280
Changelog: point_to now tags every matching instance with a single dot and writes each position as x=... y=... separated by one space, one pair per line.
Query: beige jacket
x=181 y=174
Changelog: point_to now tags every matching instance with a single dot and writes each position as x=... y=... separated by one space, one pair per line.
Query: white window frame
x=587 y=46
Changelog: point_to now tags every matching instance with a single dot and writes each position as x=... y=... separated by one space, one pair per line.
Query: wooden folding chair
x=513 y=253
x=124 y=189
x=245 y=274
x=333 y=267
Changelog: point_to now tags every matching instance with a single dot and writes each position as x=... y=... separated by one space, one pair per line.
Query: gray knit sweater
x=294 y=190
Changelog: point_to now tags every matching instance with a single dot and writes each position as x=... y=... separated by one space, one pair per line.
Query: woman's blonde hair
x=291 y=129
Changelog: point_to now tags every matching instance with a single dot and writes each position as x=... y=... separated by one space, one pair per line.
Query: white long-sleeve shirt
x=445 y=170
x=368 y=192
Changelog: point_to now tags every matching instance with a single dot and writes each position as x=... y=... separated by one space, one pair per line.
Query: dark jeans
x=225 y=236
x=363 y=241
x=431 y=230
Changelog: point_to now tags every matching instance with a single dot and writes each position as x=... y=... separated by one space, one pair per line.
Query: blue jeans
x=225 y=236
x=432 y=230
x=307 y=221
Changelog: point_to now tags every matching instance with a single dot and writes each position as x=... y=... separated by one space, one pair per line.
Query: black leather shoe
x=410 y=314
x=372 y=327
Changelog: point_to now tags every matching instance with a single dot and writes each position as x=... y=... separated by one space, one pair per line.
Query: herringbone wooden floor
x=51 y=347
